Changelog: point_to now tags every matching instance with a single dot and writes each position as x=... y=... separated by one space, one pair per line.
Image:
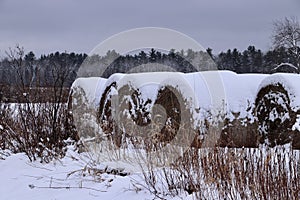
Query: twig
x=31 y=186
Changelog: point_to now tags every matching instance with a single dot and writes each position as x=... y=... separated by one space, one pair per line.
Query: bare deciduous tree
x=287 y=34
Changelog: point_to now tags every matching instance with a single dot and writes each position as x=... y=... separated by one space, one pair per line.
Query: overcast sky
x=45 y=26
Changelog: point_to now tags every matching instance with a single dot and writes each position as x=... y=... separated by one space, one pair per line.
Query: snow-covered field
x=68 y=178
x=76 y=177
x=79 y=176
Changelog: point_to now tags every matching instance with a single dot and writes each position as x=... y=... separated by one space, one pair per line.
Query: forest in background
x=47 y=70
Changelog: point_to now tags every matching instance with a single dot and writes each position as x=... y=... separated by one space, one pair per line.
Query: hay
x=105 y=115
x=240 y=132
x=158 y=121
x=129 y=117
x=274 y=115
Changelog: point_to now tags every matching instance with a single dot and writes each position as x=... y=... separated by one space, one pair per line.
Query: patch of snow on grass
x=296 y=126
x=68 y=178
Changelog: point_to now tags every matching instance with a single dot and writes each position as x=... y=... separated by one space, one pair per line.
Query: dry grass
x=224 y=173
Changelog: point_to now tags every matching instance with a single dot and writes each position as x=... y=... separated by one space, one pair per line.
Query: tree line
x=25 y=70
x=51 y=69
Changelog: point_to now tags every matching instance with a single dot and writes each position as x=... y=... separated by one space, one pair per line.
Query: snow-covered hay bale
x=154 y=111
x=84 y=96
x=160 y=106
x=178 y=117
x=104 y=114
x=105 y=109
x=276 y=107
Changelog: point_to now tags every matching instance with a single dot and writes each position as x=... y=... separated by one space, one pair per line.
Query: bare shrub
x=6 y=121
x=39 y=125
x=286 y=34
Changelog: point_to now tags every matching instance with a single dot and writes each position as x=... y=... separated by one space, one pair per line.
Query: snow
x=92 y=86
x=296 y=126
x=72 y=177
x=286 y=64
x=76 y=177
x=240 y=90
x=65 y=179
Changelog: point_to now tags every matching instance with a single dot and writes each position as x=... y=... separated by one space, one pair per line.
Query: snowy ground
x=73 y=178
x=66 y=179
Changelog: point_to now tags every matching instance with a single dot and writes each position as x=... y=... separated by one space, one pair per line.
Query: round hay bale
x=169 y=99
x=133 y=115
x=151 y=124
x=274 y=114
x=105 y=115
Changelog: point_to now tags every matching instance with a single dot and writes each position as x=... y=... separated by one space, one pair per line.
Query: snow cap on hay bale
x=285 y=68
x=90 y=87
x=149 y=85
x=277 y=101
x=289 y=82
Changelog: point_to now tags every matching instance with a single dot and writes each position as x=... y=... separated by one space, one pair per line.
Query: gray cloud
x=78 y=25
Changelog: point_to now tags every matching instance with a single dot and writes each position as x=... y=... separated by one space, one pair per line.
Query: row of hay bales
x=158 y=108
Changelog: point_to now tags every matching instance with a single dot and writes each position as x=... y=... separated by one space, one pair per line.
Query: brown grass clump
x=227 y=173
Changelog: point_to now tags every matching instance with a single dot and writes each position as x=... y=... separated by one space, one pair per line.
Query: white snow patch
x=296 y=126
x=67 y=179
x=288 y=64
x=92 y=86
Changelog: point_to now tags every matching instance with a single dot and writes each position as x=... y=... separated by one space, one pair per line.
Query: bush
x=38 y=129
x=39 y=121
